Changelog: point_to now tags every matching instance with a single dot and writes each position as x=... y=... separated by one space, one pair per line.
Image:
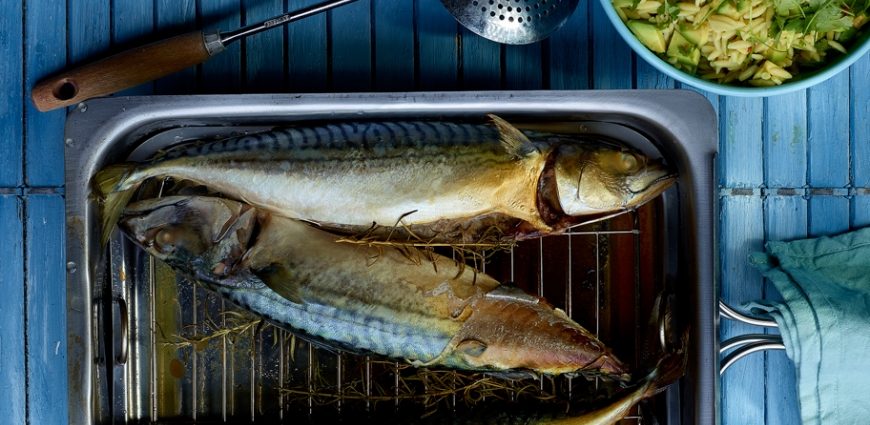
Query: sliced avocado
x=729 y=8
x=686 y=52
x=622 y=3
x=648 y=34
x=775 y=55
x=697 y=36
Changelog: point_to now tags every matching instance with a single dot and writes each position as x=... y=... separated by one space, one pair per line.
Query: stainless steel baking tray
x=121 y=370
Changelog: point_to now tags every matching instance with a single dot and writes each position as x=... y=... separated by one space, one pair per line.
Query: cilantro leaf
x=784 y=6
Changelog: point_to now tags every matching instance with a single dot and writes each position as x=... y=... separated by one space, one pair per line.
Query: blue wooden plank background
x=790 y=166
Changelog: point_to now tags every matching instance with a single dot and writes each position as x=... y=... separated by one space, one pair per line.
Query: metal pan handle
x=773 y=342
x=726 y=311
x=125 y=341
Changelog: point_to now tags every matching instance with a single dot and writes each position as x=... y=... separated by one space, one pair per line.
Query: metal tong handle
x=749 y=343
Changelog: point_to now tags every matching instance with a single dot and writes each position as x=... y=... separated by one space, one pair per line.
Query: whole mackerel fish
x=424 y=309
x=404 y=173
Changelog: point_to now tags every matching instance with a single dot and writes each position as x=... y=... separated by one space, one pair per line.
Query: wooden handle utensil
x=147 y=63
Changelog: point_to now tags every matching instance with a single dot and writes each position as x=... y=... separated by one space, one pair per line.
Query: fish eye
x=165 y=239
x=629 y=162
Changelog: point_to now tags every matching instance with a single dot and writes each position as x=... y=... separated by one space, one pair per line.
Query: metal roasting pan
x=116 y=360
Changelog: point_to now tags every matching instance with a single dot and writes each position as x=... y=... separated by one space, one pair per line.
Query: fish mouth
x=661 y=180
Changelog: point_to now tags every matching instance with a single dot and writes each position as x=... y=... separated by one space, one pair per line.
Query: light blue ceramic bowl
x=806 y=79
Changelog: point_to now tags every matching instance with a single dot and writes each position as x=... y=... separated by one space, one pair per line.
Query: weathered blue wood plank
x=133 y=25
x=859 y=120
x=481 y=62
x=12 y=376
x=570 y=54
x=175 y=17
x=350 y=32
x=786 y=219
x=45 y=292
x=742 y=232
x=394 y=45
x=438 y=47
x=611 y=57
x=263 y=52
x=88 y=32
x=223 y=72
x=306 y=52
x=785 y=144
x=650 y=78
x=11 y=84
x=522 y=69
x=785 y=153
x=827 y=146
x=45 y=38
x=828 y=132
x=740 y=145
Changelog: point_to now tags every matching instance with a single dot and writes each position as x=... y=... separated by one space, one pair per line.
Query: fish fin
x=516 y=143
x=107 y=182
x=281 y=279
x=471 y=347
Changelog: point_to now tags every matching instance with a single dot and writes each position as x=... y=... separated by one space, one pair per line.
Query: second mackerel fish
x=428 y=312
x=405 y=174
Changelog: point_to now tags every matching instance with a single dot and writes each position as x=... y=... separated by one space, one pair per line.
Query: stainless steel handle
x=726 y=311
x=125 y=341
x=773 y=343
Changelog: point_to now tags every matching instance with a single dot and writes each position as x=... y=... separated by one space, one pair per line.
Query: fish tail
x=110 y=183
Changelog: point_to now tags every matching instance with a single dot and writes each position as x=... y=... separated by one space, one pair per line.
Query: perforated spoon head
x=512 y=21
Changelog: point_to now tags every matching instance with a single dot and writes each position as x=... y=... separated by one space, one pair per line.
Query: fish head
x=197 y=235
x=607 y=178
x=510 y=330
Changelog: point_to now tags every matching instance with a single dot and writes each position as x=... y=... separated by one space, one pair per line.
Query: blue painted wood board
x=786 y=219
x=88 y=36
x=740 y=165
x=437 y=47
x=307 y=55
x=11 y=83
x=45 y=304
x=350 y=32
x=393 y=22
x=45 y=38
x=568 y=51
x=12 y=366
x=263 y=52
x=742 y=223
x=650 y=78
x=223 y=72
x=523 y=67
x=611 y=57
x=785 y=140
x=859 y=140
x=481 y=62
x=173 y=18
x=132 y=25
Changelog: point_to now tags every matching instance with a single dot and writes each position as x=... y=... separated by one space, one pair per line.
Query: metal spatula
x=512 y=21
x=146 y=63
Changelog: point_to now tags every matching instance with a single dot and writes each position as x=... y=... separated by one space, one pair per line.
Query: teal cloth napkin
x=825 y=321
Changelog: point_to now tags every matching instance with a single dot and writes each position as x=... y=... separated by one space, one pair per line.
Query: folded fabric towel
x=825 y=321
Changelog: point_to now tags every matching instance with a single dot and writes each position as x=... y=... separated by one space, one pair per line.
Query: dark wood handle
x=121 y=71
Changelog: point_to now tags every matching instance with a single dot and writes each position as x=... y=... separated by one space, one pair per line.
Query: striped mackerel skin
x=360 y=173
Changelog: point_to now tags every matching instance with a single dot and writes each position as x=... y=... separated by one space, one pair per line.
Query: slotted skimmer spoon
x=512 y=21
x=146 y=63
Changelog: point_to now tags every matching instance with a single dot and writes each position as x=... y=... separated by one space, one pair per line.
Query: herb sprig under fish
x=405 y=173
x=360 y=299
